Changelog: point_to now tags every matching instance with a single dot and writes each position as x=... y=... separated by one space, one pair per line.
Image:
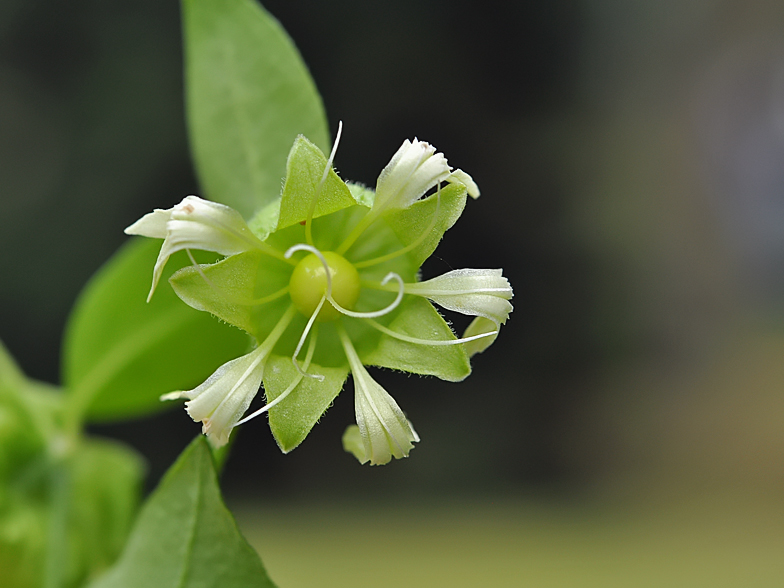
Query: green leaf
x=248 y=96
x=120 y=353
x=185 y=537
x=415 y=223
x=303 y=188
x=418 y=318
x=292 y=419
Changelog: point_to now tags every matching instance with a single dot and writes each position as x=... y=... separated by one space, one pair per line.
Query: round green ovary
x=309 y=283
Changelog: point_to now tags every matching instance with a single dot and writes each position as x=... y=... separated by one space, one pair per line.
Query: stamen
x=431 y=342
x=230 y=297
x=294 y=383
x=410 y=246
x=327 y=168
x=377 y=313
x=301 y=342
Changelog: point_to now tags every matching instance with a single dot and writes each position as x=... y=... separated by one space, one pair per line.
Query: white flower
x=194 y=224
x=413 y=170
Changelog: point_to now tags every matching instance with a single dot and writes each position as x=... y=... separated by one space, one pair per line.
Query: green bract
x=326 y=281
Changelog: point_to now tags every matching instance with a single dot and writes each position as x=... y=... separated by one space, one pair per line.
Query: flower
x=325 y=280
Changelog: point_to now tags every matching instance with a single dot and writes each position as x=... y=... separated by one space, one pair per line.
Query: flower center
x=308 y=285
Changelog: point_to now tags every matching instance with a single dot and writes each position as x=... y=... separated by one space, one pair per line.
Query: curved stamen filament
x=430 y=342
x=301 y=342
x=327 y=168
x=294 y=383
x=410 y=246
x=230 y=297
x=377 y=313
x=328 y=291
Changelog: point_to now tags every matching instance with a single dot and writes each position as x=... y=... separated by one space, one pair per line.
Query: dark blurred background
x=630 y=156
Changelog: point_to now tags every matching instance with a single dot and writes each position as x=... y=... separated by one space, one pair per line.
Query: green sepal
x=185 y=537
x=352 y=443
x=292 y=419
x=418 y=318
x=229 y=292
x=362 y=194
x=304 y=170
x=248 y=95
x=410 y=224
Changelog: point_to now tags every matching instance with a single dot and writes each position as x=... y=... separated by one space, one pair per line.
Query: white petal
x=383 y=428
x=463 y=178
x=412 y=171
x=480 y=325
x=152 y=224
x=476 y=292
x=223 y=398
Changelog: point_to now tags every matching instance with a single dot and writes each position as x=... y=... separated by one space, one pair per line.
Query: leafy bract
x=304 y=188
x=248 y=96
x=120 y=353
x=420 y=219
x=185 y=537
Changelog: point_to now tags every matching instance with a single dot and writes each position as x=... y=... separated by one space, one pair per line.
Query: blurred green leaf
x=120 y=353
x=248 y=96
x=104 y=496
x=185 y=536
x=66 y=504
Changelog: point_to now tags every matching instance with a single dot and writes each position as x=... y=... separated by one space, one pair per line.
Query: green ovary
x=309 y=283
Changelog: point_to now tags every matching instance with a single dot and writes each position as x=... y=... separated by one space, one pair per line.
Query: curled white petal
x=481 y=334
x=463 y=178
x=194 y=223
x=412 y=171
x=476 y=292
x=384 y=430
x=221 y=400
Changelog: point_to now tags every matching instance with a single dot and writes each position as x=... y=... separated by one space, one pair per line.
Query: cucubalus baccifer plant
x=326 y=281
x=322 y=276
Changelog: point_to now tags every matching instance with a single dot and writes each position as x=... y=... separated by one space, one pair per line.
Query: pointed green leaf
x=416 y=223
x=248 y=96
x=120 y=353
x=418 y=318
x=304 y=170
x=185 y=537
x=292 y=419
